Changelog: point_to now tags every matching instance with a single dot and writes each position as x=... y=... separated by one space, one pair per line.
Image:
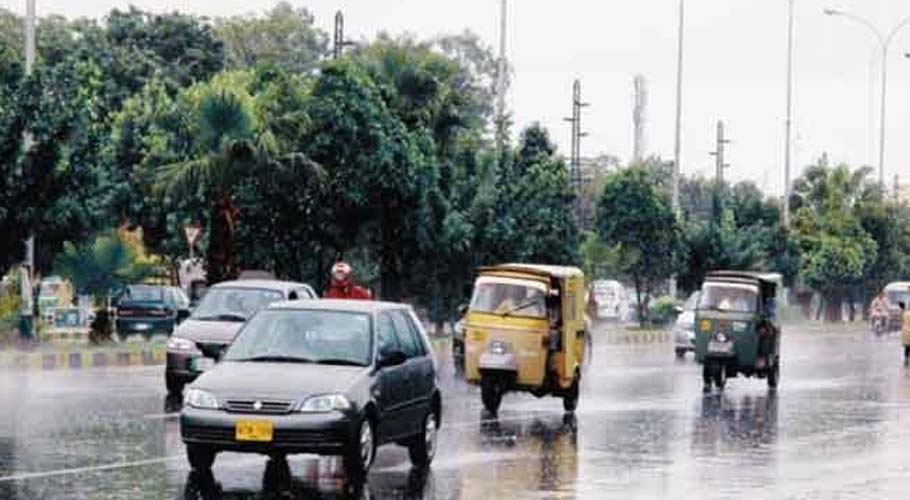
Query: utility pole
x=577 y=134
x=788 y=146
x=719 y=167
x=719 y=164
x=501 y=83
x=28 y=270
x=339 y=41
x=639 y=118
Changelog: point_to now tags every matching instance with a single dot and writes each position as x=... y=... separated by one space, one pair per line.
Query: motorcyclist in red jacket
x=342 y=287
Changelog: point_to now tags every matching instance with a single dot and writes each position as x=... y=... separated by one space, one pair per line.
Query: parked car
x=148 y=310
x=328 y=377
x=684 y=328
x=608 y=301
x=199 y=341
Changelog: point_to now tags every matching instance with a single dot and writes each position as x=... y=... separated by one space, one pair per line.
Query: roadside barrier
x=633 y=336
x=82 y=358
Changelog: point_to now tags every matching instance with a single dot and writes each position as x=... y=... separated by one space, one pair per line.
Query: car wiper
x=276 y=359
x=521 y=306
x=339 y=361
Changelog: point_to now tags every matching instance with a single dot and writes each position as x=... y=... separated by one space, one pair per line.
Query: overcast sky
x=735 y=69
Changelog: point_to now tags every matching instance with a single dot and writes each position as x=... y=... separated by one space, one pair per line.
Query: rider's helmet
x=341 y=271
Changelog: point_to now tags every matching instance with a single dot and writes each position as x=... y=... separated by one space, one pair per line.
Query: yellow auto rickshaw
x=525 y=331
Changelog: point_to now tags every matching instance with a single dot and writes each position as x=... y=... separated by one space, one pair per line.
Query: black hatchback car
x=149 y=310
x=329 y=377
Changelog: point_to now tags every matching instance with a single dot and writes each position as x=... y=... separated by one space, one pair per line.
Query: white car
x=611 y=301
x=684 y=328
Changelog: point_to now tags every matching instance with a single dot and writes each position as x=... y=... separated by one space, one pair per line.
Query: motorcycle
x=879 y=324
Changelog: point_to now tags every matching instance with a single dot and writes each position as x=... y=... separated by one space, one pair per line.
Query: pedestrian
x=342 y=286
x=905 y=331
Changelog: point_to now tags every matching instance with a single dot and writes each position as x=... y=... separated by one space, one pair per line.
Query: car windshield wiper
x=276 y=359
x=339 y=361
x=223 y=317
x=521 y=306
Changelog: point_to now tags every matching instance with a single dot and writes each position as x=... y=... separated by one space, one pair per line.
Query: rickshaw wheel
x=720 y=376
x=491 y=393
x=774 y=375
x=570 y=400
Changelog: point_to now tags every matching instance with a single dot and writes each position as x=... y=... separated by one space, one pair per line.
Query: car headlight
x=498 y=347
x=197 y=398
x=179 y=344
x=324 y=404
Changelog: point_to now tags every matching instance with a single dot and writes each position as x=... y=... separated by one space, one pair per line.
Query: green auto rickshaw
x=737 y=330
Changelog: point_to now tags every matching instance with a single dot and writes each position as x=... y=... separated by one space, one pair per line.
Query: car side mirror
x=392 y=358
x=462 y=310
x=678 y=309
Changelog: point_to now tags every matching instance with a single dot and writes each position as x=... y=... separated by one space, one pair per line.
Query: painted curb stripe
x=77 y=360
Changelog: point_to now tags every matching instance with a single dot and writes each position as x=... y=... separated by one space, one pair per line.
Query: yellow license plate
x=254 y=430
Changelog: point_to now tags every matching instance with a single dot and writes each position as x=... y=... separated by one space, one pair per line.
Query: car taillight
x=124 y=312
x=163 y=313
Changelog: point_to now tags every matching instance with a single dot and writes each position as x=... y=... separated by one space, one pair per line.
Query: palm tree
x=227 y=147
x=230 y=147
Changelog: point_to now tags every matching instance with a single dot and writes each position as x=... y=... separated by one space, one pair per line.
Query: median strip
x=77 y=359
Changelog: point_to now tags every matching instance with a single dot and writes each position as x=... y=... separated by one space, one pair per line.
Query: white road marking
x=93 y=468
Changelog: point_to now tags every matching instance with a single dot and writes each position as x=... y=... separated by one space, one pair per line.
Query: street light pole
x=27 y=271
x=885 y=44
x=788 y=147
x=677 y=148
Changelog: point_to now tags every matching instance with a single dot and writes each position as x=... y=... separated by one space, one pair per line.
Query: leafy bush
x=664 y=311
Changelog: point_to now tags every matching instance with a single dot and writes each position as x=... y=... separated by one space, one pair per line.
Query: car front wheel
x=359 y=458
x=423 y=448
x=201 y=458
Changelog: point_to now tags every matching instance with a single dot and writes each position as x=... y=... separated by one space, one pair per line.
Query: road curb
x=82 y=359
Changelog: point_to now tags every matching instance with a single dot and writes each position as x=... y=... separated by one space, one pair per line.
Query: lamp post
x=789 y=145
x=885 y=44
x=677 y=145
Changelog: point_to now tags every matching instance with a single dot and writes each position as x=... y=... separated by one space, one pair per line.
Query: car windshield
x=234 y=304
x=729 y=297
x=143 y=294
x=306 y=336
x=509 y=298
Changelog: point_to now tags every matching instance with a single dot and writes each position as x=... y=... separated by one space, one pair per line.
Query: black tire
x=774 y=375
x=706 y=376
x=201 y=458
x=423 y=447
x=570 y=399
x=359 y=458
x=174 y=385
x=491 y=393
x=720 y=376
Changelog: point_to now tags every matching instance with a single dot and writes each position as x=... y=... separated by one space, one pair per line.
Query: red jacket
x=347 y=290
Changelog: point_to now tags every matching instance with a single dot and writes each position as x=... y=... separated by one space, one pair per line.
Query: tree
x=837 y=251
x=376 y=167
x=635 y=214
x=284 y=37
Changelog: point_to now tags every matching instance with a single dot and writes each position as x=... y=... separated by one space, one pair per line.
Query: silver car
x=684 y=328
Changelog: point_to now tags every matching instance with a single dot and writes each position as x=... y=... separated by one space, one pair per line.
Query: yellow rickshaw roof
x=561 y=272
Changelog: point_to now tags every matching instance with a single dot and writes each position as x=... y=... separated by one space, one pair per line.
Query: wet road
x=839 y=427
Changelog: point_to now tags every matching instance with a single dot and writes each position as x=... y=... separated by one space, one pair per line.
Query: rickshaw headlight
x=721 y=337
x=498 y=347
